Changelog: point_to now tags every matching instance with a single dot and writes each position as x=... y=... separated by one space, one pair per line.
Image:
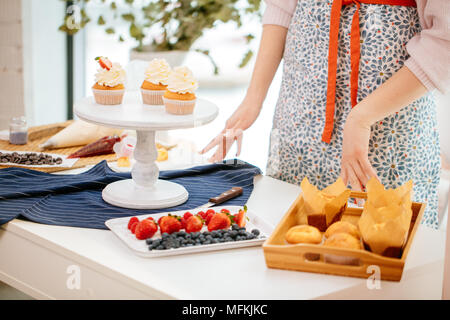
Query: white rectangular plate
x=119 y=227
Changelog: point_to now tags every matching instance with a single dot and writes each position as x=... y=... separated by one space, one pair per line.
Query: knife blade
x=227 y=195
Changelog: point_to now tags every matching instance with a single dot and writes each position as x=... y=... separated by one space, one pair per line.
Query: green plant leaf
x=110 y=31
x=128 y=17
x=100 y=21
x=246 y=59
x=113 y=5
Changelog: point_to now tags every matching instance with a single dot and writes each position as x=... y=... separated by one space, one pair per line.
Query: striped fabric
x=76 y=200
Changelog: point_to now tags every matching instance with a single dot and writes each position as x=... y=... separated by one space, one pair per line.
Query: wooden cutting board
x=40 y=134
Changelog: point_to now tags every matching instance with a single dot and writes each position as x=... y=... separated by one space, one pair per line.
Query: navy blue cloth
x=76 y=200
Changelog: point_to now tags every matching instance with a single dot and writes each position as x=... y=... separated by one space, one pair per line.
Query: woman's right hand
x=244 y=116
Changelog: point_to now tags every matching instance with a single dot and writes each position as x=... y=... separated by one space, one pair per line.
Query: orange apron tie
x=354 y=55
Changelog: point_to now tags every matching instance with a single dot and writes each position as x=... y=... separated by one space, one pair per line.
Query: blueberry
x=233 y=233
x=188 y=236
x=165 y=235
x=189 y=245
x=195 y=235
x=214 y=233
x=160 y=247
x=149 y=241
x=157 y=242
x=182 y=233
x=228 y=239
x=251 y=236
x=256 y=232
x=207 y=242
x=206 y=233
x=234 y=226
x=214 y=240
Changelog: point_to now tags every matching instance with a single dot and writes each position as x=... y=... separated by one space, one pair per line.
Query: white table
x=36 y=259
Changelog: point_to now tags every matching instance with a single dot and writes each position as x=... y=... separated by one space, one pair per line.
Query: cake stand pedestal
x=144 y=190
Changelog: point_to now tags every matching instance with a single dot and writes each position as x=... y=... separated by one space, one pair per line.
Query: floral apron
x=402 y=146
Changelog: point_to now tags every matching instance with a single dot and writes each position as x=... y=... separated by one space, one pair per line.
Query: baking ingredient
x=194 y=224
x=240 y=218
x=131 y=221
x=146 y=229
x=104 y=62
x=169 y=224
x=102 y=146
x=183 y=239
x=133 y=226
x=219 y=221
x=79 y=133
x=29 y=158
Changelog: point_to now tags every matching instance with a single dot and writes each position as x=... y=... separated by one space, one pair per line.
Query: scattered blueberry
x=256 y=232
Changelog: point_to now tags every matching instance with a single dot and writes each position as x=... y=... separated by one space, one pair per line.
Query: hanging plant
x=177 y=24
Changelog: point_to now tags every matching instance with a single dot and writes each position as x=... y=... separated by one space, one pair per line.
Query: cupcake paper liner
x=108 y=97
x=152 y=97
x=179 y=107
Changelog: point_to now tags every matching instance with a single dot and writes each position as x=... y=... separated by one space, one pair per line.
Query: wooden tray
x=280 y=255
x=40 y=134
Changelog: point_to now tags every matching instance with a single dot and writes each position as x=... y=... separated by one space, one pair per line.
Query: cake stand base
x=127 y=194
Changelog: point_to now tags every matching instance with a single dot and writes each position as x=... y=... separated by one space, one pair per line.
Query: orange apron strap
x=355 y=46
x=354 y=56
x=332 y=69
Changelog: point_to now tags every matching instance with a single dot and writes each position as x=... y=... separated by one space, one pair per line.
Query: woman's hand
x=244 y=116
x=356 y=169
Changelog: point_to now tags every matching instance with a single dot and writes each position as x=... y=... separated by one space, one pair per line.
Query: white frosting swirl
x=112 y=77
x=181 y=80
x=158 y=71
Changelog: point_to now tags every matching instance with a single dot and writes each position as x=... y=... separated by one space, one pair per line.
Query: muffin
x=303 y=234
x=345 y=241
x=343 y=227
x=155 y=83
x=179 y=97
x=109 y=85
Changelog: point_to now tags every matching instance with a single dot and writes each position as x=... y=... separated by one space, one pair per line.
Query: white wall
x=44 y=61
x=11 y=68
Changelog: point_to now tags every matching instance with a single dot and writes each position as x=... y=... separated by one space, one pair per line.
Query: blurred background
x=47 y=51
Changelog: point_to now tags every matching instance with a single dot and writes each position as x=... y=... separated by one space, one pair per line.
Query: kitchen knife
x=227 y=195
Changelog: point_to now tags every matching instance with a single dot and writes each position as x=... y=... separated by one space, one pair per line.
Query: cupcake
x=179 y=97
x=155 y=83
x=109 y=82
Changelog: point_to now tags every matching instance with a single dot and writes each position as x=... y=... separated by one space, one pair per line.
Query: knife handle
x=227 y=195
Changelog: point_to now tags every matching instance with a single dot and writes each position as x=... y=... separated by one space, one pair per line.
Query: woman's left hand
x=356 y=169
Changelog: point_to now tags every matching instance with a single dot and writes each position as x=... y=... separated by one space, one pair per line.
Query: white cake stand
x=144 y=190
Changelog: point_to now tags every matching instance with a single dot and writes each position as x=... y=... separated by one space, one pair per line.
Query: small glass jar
x=18 y=130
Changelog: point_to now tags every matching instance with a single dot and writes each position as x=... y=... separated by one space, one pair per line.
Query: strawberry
x=104 y=63
x=208 y=218
x=240 y=218
x=209 y=211
x=194 y=224
x=187 y=215
x=225 y=211
x=133 y=226
x=170 y=224
x=145 y=229
x=183 y=223
x=202 y=214
x=219 y=221
x=131 y=221
x=150 y=218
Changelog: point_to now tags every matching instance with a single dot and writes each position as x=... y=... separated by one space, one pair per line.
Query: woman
x=355 y=99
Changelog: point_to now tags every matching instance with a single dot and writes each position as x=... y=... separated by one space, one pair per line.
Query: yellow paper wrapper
x=322 y=207
x=386 y=218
